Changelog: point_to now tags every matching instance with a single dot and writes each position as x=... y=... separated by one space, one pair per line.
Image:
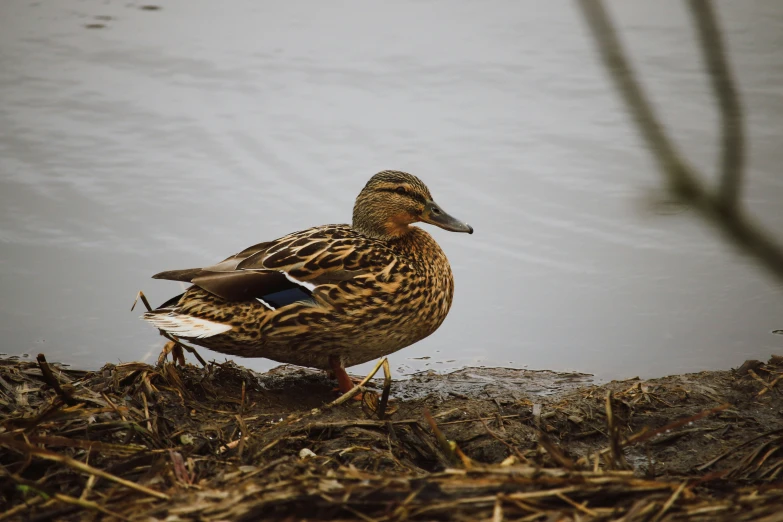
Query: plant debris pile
x=137 y=442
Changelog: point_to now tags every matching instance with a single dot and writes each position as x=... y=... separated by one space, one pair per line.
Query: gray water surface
x=172 y=138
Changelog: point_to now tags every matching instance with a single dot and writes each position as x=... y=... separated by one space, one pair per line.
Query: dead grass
x=136 y=442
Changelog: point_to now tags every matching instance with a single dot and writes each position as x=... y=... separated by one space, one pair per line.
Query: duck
x=328 y=297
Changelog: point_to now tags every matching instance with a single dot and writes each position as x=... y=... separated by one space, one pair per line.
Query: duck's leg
x=344 y=381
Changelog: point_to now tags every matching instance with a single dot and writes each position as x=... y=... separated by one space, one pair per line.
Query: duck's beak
x=435 y=215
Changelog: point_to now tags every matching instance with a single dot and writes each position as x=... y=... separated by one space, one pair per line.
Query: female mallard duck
x=330 y=296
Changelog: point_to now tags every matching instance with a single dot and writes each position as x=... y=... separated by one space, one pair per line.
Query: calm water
x=173 y=138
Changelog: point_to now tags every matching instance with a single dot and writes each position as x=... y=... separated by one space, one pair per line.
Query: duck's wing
x=289 y=269
x=224 y=280
x=230 y=263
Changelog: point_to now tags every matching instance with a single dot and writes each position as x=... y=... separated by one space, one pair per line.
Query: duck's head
x=392 y=200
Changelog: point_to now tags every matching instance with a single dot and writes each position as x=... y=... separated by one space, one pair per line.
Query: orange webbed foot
x=345 y=382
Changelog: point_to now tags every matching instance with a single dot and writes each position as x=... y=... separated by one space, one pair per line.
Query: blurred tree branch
x=721 y=207
x=733 y=153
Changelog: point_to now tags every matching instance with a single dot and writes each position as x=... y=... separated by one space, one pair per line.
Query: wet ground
x=136 y=140
x=225 y=443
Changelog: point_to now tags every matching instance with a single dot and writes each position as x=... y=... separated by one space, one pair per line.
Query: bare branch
x=636 y=101
x=733 y=153
x=722 y=211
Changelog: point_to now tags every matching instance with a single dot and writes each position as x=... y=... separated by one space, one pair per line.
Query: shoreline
x=226 y=443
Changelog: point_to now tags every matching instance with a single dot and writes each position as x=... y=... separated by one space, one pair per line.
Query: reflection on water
x=175 y=137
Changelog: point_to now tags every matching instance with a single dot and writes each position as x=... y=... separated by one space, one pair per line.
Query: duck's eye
x=401 y=190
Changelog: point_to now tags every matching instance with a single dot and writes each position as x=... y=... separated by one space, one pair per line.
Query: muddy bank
x=138 y=442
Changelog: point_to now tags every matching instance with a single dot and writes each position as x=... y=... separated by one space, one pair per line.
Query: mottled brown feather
x=372 y=293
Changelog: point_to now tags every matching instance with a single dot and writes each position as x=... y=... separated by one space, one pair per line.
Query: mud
x=224 y=443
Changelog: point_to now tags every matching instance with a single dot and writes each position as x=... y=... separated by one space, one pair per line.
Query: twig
x=46 y=414
x=770 y=386
x=267 y=447
x=88 y=487
x=580 y=507
x=733 y=146
x=187 y=347
x=242 y=402
x=612 y=54
x=669 y=503
x=146 y=412
x=79 y=466
x=735 y=448
x=359 y=514
x=358 y=388
x=350 y=393
x=497 y=511
x=52 y=381
x=677 y=434
x=764 y=383
x=180 y=469
x=741 y=230
x=170 y=337
x=386 y=389
x=244 y=435
x=357 y=423
x=645 y=434
x=67 y=499
x=87 y=504
x=463 y=421
x=143 y=298
x=615 y=445
x=95 y=445
x=11 y=512
x=512 y=450
x=555 y=452
x=113 y=406
x=444 y=443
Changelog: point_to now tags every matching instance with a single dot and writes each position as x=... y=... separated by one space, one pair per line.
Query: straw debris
x=137 y=442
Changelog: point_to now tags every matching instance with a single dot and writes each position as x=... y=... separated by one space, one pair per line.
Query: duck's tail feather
x=186 y=275
x=183 y=325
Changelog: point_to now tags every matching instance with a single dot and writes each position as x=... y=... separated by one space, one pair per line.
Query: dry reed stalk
x=78 y=466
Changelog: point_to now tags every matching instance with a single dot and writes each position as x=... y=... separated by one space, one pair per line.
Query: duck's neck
x=409 y=240
x=418 y=244
x=385 y=230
